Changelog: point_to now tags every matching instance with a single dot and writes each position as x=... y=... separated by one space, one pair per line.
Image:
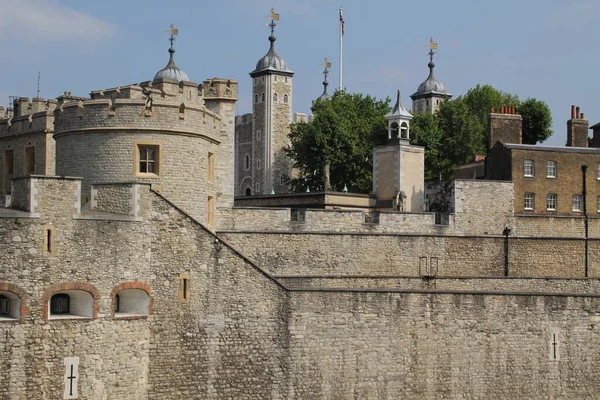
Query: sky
x=535 y=48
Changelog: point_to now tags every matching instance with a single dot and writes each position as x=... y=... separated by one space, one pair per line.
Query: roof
x=399 y=110
x=431 y=86
x=171 y=70
x=558 y=149
x=271 y=61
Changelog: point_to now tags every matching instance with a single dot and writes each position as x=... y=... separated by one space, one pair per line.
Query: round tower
x=431 y=92
x=158 y=132
x=267 y=168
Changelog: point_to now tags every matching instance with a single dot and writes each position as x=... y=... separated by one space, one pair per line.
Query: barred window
x=529 y=201
x=60 y=304
x=4 y=305
x=551 y=201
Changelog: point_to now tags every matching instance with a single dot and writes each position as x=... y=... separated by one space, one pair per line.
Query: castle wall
x=373 y=345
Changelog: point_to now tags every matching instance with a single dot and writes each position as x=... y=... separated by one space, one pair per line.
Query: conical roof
x=172 y=71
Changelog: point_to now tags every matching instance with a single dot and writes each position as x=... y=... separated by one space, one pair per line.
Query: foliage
x=425 y=131
x=343 y=132
x=537 y=120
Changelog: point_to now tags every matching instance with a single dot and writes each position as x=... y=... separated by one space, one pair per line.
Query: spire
x=272 y=60
x=171 y=71
x=274 y=17
x=432 y=46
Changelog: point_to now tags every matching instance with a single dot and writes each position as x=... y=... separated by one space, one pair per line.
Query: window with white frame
x=551 y=169
x=551 y=201
x=577 y=202
x=529 y=201
x=528 y=168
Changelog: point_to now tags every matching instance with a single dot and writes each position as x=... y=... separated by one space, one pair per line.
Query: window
x=529 y=201
x=4 y=306
x=148 y=159
x=29 y=164
x=577 y=202
x=246 y=162
x=275 y=78
x=256 y=98
x=117 y=303
x=257 y=187
x=598 y=172
x=285 y=98
x=60 y=303
x=262 y=97
x=48 y=240
x=211 y=167
x=184 y=288
x=275 y=97
x=551 y=169
x=248 y=192
x=131 y=303
x=182 y=111
x=427 y=102
x=286 y=79
x=210 y=211
x=528 y=168
x=258 y=135
x=598 y=204
x=551 y=201
x=258 y=164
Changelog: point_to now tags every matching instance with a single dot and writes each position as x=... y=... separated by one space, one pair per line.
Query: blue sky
x=534 y=48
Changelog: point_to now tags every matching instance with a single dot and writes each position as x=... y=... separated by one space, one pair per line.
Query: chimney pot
x=582 y=116
x=577 y=112
x=502 y=110
x=573 y=112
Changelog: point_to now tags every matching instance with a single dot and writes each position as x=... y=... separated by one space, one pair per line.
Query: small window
x=285 y=98
x=286 y=79
x=248 y=192
x=210 y=211
x=551 y=169
x=529 y=201
x=551 y=201
x=48 y=240
x=257 y=187
x=598 y=204
x=598 y=172
x=10 y=306
x=117 y=303
x=258 y=164
x=427 y=103
x=262 y=97
x=258 y=135
x=131 y=303
x=275 y=97
x=577 y=202
x=256 y=98
x=184 y=288
x=148 y=159
x=71 y=304
x=246 y=162
x=29 y=164
x=275 y=78
x=211 y=167
x=528 y=168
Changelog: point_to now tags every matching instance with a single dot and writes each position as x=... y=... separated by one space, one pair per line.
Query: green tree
x=342 y=135
x=537 y=121
x=425 y=131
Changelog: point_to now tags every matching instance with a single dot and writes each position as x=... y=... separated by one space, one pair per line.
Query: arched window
x=285 y=98
x=248 y=192
x=394 y=130
x=275 y=97
x=263 y=97
x=131 y=303
x=60 y=303
x=404 y=130
x=11 y=302
x=247 y=162
x=256 y=98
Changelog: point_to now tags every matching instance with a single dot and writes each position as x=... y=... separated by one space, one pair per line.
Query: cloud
x=49 y=21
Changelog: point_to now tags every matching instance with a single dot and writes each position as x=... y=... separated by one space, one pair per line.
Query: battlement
x=219 y=89
x=28 y=116
x=152 y=106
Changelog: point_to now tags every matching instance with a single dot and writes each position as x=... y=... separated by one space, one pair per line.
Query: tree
x=537 y=120
x=342 y=135
x=425 y=131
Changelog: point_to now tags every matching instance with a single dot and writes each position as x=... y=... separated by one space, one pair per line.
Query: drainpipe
x=586 y=220
x=506 y=232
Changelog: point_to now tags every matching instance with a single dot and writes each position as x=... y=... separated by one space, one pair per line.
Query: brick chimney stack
x=577 y=129
x=505 y=126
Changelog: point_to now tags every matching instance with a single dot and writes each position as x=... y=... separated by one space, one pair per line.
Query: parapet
x=220 y=89
x=28 y=116
x=42 y=194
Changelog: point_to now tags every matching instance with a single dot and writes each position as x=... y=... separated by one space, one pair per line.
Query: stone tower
x=398 y=166
x=431 y=92
x=267 y=164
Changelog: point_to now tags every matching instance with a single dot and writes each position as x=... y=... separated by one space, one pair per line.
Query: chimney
x=505 y=126
x=577 y=129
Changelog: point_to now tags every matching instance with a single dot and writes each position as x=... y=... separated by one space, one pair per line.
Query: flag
x=342 y=22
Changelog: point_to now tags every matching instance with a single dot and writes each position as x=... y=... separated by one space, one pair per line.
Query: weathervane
x=432 y=46
x=326 y=65
x=173 y=32
x=274 y=17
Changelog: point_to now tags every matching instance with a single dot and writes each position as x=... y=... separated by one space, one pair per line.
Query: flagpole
x=341 y=46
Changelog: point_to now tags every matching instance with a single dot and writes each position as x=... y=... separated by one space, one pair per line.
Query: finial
x=398 y=97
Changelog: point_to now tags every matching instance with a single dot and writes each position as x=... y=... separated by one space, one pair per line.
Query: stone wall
x=115 y=199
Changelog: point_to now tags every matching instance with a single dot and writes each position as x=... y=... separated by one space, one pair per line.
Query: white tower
x=431 y=92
